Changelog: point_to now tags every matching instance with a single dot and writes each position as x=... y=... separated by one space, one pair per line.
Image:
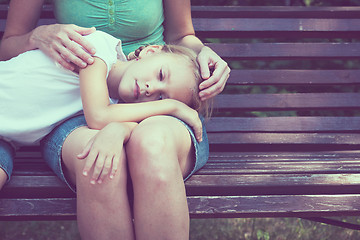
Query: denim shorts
x=52 y=144
x=7 y=153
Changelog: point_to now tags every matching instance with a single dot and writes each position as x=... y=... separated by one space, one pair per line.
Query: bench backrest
x=287 y=62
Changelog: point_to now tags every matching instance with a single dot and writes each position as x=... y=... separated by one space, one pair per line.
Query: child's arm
x=105 y=151
x=99 y=112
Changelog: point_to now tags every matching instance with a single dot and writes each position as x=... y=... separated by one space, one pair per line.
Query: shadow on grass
x=201 y=229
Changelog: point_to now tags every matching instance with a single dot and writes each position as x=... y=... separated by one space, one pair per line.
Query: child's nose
x=151 y=88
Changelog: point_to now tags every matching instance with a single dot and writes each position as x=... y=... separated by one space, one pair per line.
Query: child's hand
x=104 y=152
x=191 y=117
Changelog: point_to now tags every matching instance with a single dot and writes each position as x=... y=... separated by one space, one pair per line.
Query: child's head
x=159 y=72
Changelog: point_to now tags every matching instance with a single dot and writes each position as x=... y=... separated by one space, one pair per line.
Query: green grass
x=201 y=229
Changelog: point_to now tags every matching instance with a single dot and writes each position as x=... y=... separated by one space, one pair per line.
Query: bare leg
x=3 y=178
x=103 y=210
x=159 y=154
x=6 y=159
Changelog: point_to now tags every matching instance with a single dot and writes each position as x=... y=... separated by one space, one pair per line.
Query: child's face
x=158 y=76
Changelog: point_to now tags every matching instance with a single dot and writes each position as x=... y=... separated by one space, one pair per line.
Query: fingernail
x=111 y=176
x=83 y=64
x=93 y=182
x=85 y=173
x=99 y=181
x=90 y=60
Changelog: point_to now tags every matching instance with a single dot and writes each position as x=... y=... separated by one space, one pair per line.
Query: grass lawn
x=201 y=229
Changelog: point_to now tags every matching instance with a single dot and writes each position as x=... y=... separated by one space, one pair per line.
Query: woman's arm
x=99 y=112
x=179 y=30
x=21 y=20
x=56 y=40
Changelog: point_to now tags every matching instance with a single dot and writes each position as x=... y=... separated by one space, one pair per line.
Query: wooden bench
x=284 y=141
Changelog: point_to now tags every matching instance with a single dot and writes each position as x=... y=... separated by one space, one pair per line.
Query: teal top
x=135 y=22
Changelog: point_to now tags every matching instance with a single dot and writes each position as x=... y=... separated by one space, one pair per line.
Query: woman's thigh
x=74 y=145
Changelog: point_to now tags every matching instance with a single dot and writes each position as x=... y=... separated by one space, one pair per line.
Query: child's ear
x=149 y=50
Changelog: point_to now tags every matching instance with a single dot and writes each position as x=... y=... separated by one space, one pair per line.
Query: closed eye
x=161 y=75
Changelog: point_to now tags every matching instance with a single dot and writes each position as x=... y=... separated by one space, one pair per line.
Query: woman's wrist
x=33 y=39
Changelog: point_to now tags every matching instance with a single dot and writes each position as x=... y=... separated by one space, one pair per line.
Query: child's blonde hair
x=203 y=107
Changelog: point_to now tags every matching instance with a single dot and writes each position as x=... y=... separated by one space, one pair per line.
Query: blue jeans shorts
x=52 y=144
x=7 y=153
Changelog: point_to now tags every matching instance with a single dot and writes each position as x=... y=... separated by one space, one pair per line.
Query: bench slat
x=283 y=124
x=299 y=27
x=288 y=101
x=293 y=77
x=274 y=206
x=262 y=184
x=38 y=209
x=274 y=12
x=287 y=50
x=309 y=140
x=202 y=206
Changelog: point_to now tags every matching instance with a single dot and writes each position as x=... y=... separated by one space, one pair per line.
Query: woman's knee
x=152 y=150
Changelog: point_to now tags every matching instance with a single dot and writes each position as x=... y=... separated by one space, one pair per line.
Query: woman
x=160 y=151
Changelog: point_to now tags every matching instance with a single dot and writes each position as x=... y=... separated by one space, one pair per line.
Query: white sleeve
x=106 y=47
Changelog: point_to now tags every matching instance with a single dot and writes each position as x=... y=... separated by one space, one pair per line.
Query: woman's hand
x=61 y=43
x=213 y=82
x=104 y=152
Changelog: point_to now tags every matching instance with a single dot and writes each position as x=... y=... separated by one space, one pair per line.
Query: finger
x=204 y=67
x=77 y=37
x=219 y=70
x=115 y=166
x=84 y=55
x=77 y=49
x=106 y=169
x=89 y=162
x=86 y=150
x=69 y=53
x=98 y=168
x=60 y=60
x=211 y=91
x=217 y=86
x=198 y=134
x=198 y=131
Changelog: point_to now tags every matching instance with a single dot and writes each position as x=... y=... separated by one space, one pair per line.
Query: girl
x=36 y=94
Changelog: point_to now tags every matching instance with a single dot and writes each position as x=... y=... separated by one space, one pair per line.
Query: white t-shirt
x=36 y=94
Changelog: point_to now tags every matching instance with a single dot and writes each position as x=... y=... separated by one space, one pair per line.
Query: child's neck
x=115 y=76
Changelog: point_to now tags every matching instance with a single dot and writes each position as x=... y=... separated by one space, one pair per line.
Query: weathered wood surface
x=277 y=166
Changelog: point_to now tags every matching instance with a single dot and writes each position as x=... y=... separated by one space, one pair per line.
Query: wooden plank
x=251 y=11
x=38 y=209
x=276 y=25
x=35 y=187
x=280 y=167
x=296 y=183
x=293 y=77
x=308 y=139
x=202 y=206
x=285 y=156
x=275 y=12
x=288 y=101
x=293 y=180
x=287 y=50
x=274 y=206
x=283 y=124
